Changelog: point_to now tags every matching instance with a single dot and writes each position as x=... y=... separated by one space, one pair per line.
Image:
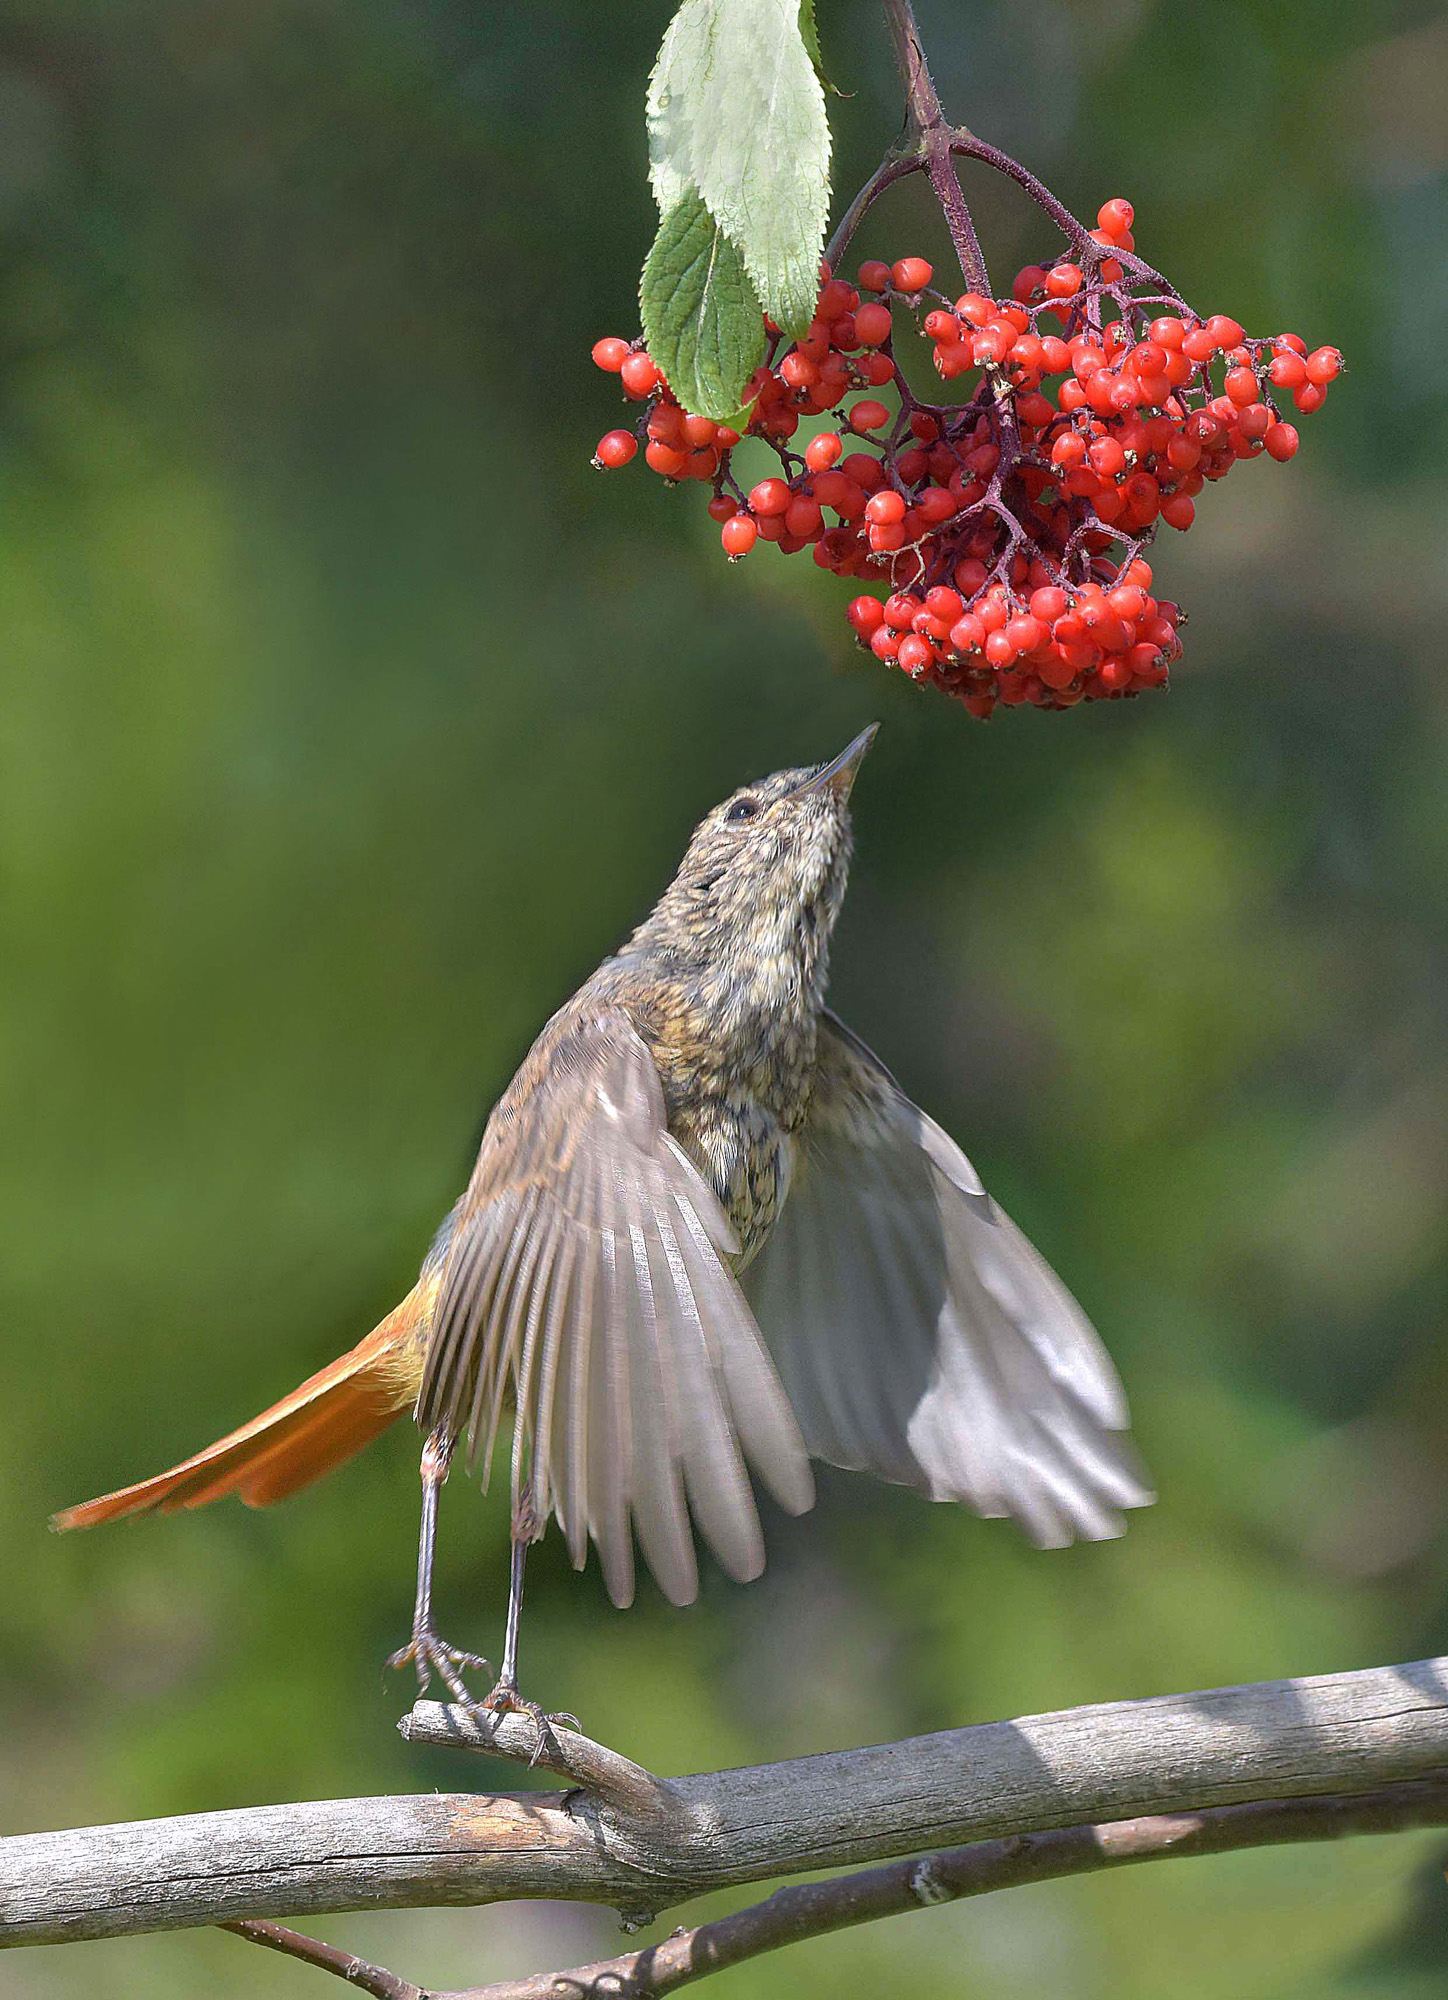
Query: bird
x=707 y=1241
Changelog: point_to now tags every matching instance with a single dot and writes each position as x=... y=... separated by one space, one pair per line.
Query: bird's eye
x=744 y=808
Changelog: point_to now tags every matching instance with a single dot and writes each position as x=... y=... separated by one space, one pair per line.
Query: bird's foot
x=505 y=1699
x=431 y=1655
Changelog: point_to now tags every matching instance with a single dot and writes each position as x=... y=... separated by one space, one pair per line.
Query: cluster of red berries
x=1009 y=527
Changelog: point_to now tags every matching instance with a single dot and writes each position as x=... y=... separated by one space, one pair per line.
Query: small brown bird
x=706 y=1228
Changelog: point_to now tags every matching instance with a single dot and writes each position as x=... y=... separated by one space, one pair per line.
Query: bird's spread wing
x=919 y=1335
x=587 y=1285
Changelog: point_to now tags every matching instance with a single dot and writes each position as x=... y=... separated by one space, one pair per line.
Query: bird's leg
x=505 y=1695
x=427 y=1652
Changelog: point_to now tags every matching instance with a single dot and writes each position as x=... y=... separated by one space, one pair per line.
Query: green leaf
x=702 y=317
x=810 y=34
x=737 y=114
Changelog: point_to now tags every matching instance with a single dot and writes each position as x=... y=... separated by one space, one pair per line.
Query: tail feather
x=320 y=1425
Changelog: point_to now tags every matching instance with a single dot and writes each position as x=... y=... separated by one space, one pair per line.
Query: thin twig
x=892 y=168
x=373 y=1979
x=812 y=1909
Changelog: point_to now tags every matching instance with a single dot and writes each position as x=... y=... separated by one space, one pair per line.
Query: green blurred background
x=349 y=717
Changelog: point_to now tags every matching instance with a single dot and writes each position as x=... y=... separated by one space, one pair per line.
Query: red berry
x=666 y=423
x=1028 y=354
x=1324 y=364
x=610 y=353
x=770 y=497
x=615 y=449
x=869 y=416
x=1063 y=281
x=874 y=276
x=1281 y=441
x=1107 y=458
x=1225 y=332
x=1178 y=511
x=866 y=614
x=1115 y=216
x=936 y=504
x=664 y=459
x=802 y=517
x=639 y=376
x=1241 y=386
x=885 y=508
x=863 y=470
x=738 y=536
x=872 y=325
x=823 y=451
x=912 y=274
x=916 y=655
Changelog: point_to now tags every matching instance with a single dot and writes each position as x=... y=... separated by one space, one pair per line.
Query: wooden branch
x=611 y=1779
x=1335 y=1733
x=809 y=1910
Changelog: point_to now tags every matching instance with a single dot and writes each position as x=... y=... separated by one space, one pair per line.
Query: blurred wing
x=919 y=1335
x=587 y=1287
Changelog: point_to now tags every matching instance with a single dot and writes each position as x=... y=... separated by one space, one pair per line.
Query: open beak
x=840 y=774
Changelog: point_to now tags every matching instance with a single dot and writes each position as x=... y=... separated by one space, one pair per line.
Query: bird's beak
x=839 y=775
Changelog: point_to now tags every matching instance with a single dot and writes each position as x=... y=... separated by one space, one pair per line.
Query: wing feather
x=717 y=1484
x=588 y=1285
x=758 y=1406
x=919 y=1335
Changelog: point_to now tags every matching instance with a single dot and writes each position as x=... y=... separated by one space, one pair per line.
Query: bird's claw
x=505 y=1699
x=431 y=1655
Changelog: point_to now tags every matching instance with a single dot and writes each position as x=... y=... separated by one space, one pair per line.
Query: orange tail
x=320 y=1425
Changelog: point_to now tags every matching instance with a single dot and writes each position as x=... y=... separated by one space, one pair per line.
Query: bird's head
x=766 y=868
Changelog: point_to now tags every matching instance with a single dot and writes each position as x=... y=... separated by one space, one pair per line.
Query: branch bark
x=1330 y=1734
x=808 y=1910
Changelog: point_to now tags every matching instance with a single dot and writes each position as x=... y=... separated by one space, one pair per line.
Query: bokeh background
x=347 y=717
